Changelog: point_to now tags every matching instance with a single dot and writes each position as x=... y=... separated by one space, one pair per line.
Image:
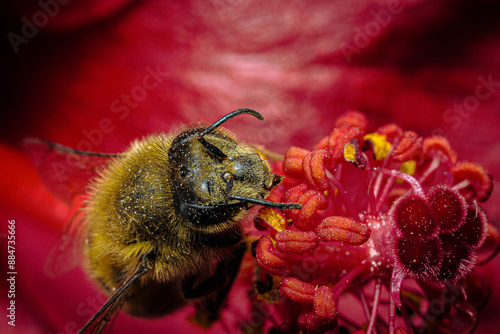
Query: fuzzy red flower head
x=377 y=207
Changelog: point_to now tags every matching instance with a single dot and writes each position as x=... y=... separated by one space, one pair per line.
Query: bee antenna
x=232 y=114
x=268 y=204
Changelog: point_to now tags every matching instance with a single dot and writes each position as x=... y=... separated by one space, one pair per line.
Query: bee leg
x=216 y=287
x=97 y=323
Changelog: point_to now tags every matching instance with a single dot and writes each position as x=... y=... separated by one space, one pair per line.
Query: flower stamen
x=407 y=210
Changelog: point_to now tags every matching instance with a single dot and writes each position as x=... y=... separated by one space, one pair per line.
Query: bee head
x=215 y=178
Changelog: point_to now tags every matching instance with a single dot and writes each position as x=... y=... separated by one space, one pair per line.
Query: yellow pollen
x=349 y=153
x=272 y=296
x=380 y=144
x=273 y=218
x=407 y=167
x=262 y=156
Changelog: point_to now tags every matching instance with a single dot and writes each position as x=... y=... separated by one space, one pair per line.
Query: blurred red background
x=97 y=74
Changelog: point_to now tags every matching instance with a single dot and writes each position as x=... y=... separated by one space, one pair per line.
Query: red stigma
x=413 y=217
x=376 y=208
x=448 y=207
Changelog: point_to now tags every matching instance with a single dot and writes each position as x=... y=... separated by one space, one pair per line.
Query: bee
x=161 y=221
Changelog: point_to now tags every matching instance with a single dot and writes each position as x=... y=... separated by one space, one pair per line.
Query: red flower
x=358 y=225
x=96 y=75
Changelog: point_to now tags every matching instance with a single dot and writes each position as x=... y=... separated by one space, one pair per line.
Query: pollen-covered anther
x=311 y=201
x=323 y=316
x=292 y=195
x=324 y=304
x=378 y=144
x=270 y=219
x=421 y=258
x=262 y=225
x=314 y=169
x=413 y=217
x=448 y=208
x=308 y=321
x=292 y=165
x=480 y=183
x=354 y=118
x=296 y=242
x=297 y=290
x=438 y=145
x=411 y=213
x=353 y=153
x=393 y=132
x=409 y=148
x=343 y=229
x=270 y=260
x=322 y=144
x=339 y=138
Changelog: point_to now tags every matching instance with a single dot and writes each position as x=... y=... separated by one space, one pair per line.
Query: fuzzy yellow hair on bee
x=162 y=219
